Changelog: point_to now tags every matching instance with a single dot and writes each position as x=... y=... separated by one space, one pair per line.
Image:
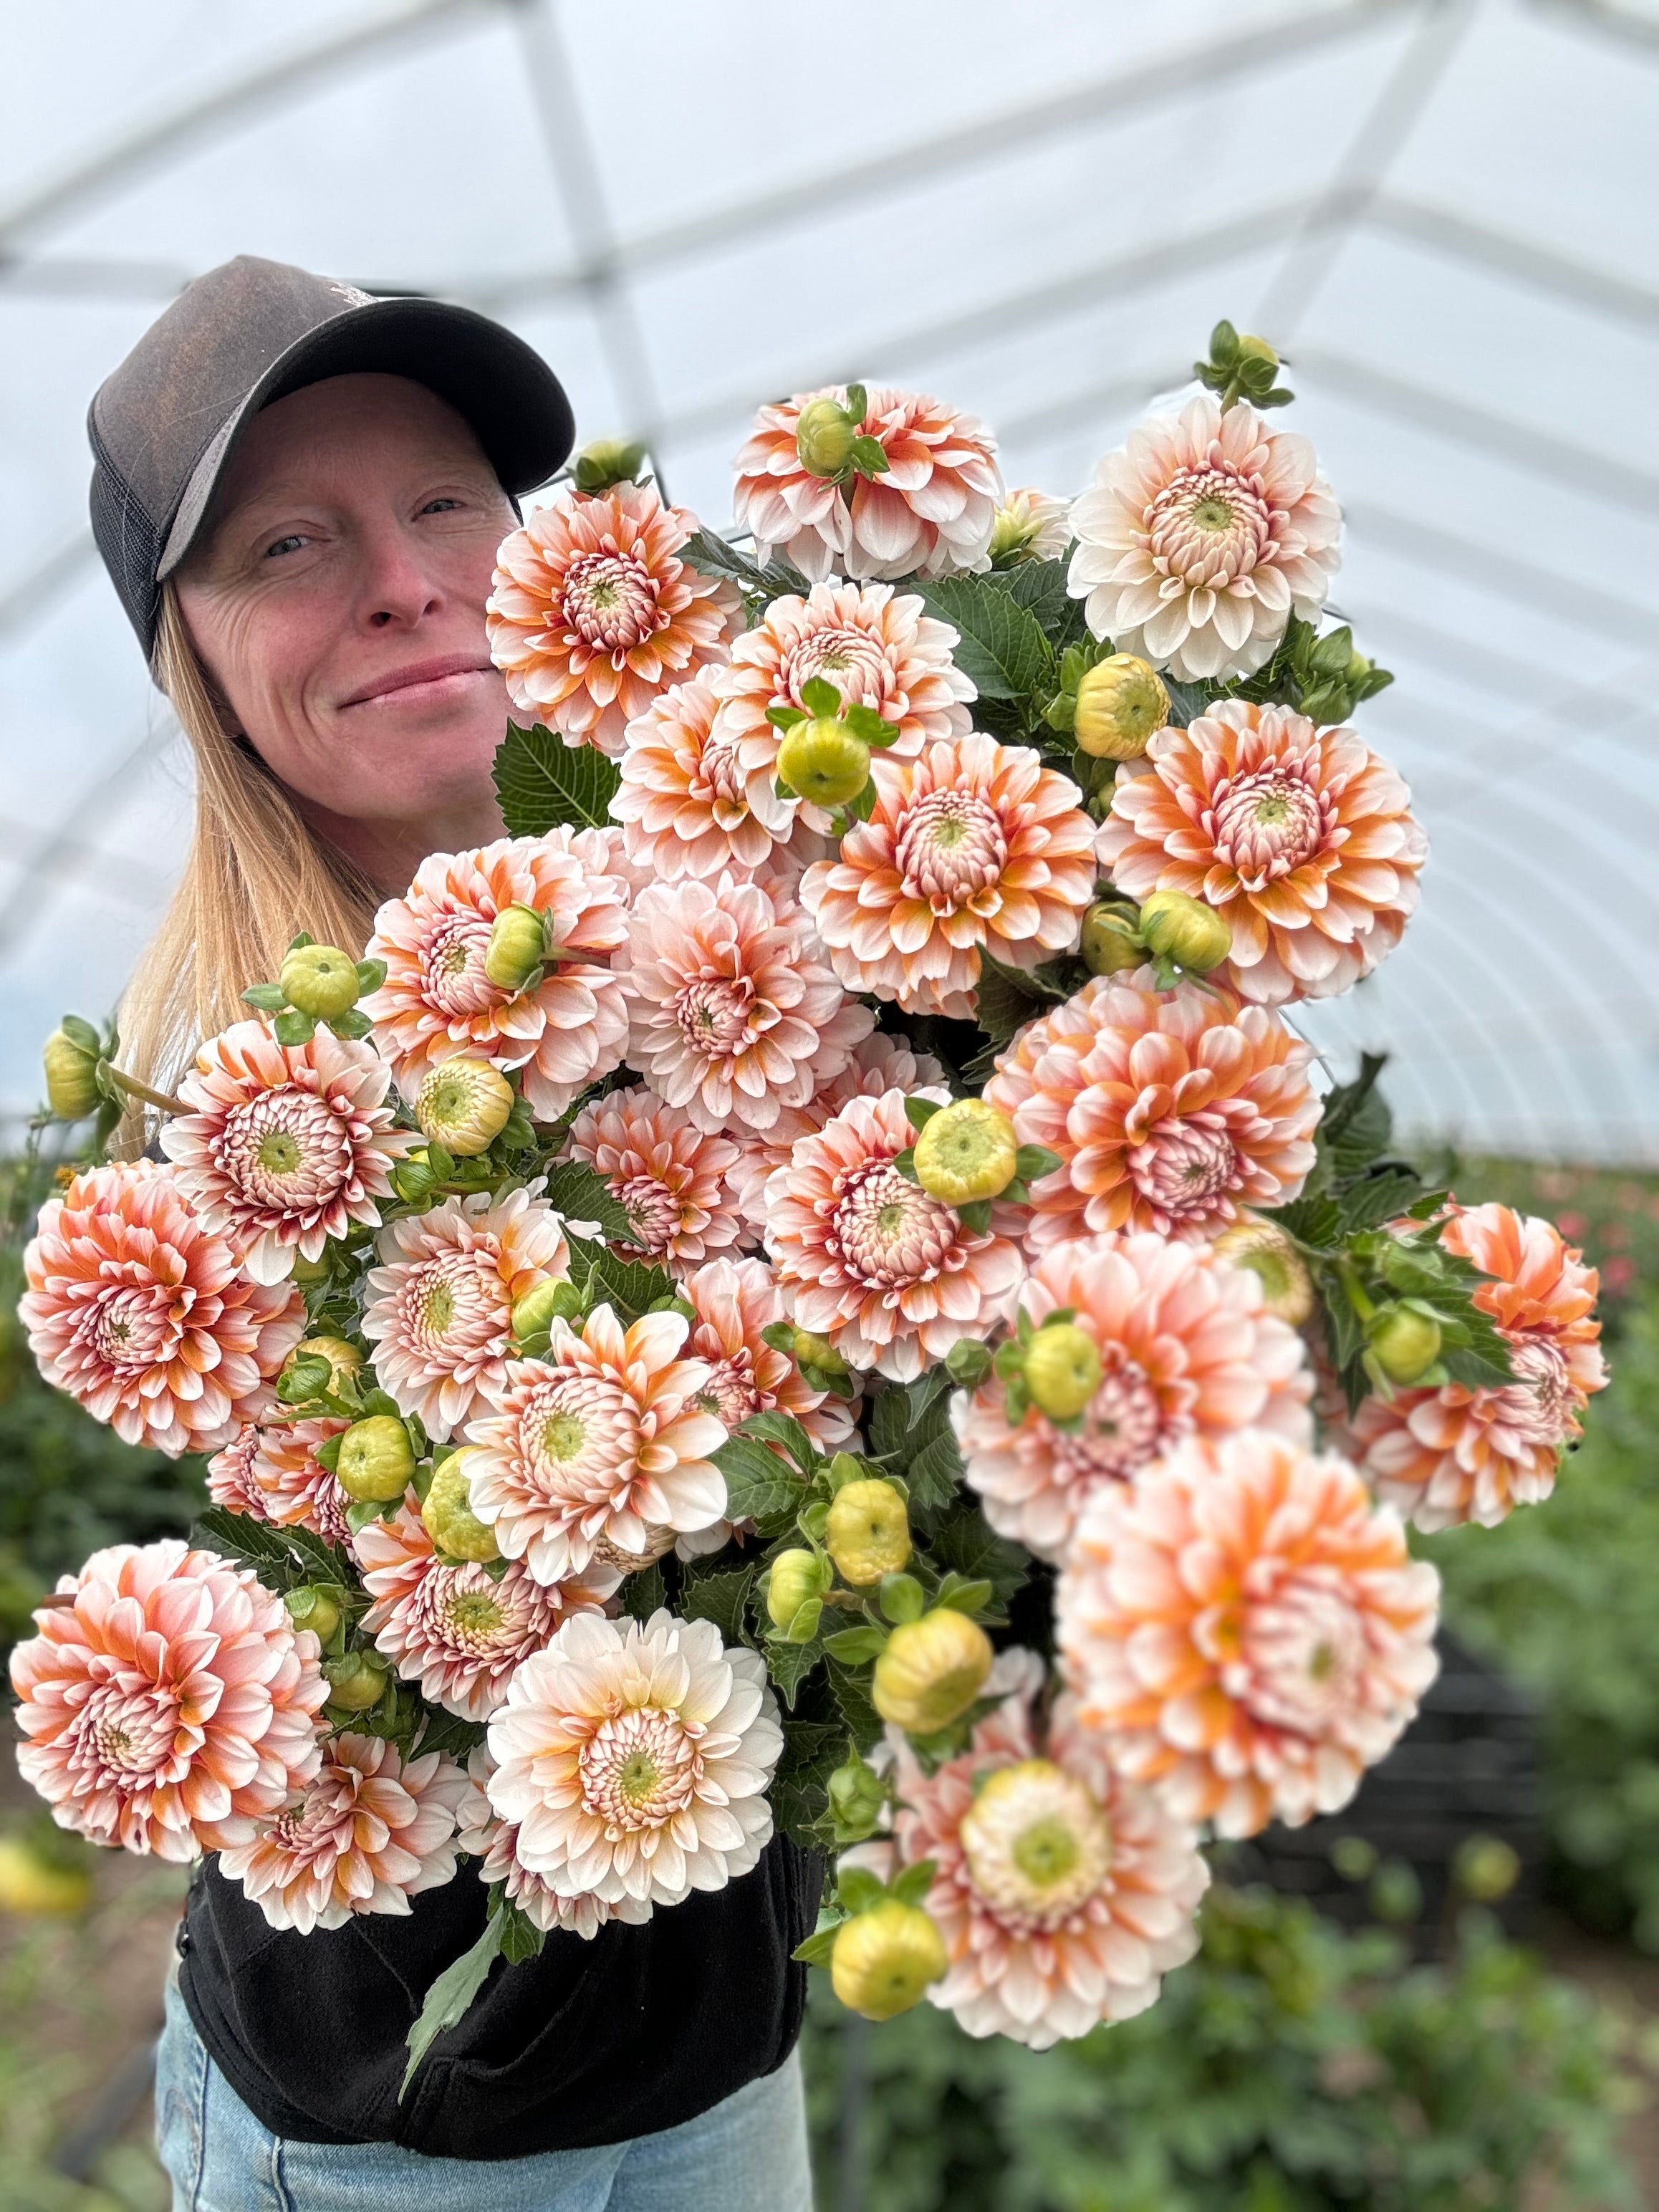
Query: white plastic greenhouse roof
x=1442 y=210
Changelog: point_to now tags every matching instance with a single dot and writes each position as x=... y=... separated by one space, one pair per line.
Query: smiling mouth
x=435 y=679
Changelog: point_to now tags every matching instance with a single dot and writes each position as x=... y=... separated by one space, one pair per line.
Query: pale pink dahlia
x=1301 y=839
x=294 y=1488
x=601 y=1443
x=1185 y=1350
x=484 y=1835
x=139 y=1311
x=866 y=1257
x=974 y=844
x=1030 y=525
x=1064 y=1893
x=437 y=1002
x=731 y=1013
x=1246 y=1628
x=878 y=1063
x=1172 y=1110
x=735 y=1301
x=371 y=1831
x=932 y=511
x=669 y=1174
x=171 y=1706
x=593 y=612
x=1201 y=537
x=1453 y=1454
x=635 y=1757
x=438 y=1310
x=231 y=1479
x=693 y=801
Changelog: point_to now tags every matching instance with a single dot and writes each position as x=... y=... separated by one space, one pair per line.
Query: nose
x=399 y=587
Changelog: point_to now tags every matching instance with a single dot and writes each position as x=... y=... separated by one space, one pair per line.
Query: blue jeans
x=748 y=2155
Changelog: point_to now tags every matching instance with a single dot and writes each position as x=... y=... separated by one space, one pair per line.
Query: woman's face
x=338 y=599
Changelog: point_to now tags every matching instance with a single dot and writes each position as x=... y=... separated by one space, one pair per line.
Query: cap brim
x=515 y=404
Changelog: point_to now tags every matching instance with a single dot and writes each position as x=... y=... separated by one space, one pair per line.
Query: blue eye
x=279 y=545
x=439 y=506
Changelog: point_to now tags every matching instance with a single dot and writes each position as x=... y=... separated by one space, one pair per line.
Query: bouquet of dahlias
x=813 y=1286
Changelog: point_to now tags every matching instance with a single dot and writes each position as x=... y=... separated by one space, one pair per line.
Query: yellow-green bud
x=1251 y=348
x=518 y=945
x=314 y=1610
x=463 y=1105
x=534 y=1313
x=1404 y=1344
x=608 y=461
x=824 y=762
x=310 y=1271
x=793 y=1580
x=72 y=1090
x=817 y=1352
x=344 y=1360
x=965 y=1151
x=857 y=1795
x=1110 y=945
x=1062 y=1369
x=931 y=1671
x=1183 y=929
x=30 y=1883
x=319 y=980
x=1121 y=704
x=868 y=1532
x=883 y=1959
x=1287 y=1291
x=824 y=437
x=355 y=1682
x=448 y=1512
x=376 y=1460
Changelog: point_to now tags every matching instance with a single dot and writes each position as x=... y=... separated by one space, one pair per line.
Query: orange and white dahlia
x=1185 y=1350
x=438 y=1311
x=971 y=844
x=735 y=1301
x=932 y=511
x=879 y=1062
x=141 y=1314
x=1453 y=1454
x=1172 y=1110
x=732 y=1012
x=437 y=1002
x=295 y=1489
x=1201 y=537
x=484 y=1835
x=371 y=1831
x=594 y=613
x=635 y=1757
x=1303 y=840
x=603 y=1443
x=892 y=1276
x=692 y=801
x=1245 y=1626
x=171 y=1706
x=666 y=1171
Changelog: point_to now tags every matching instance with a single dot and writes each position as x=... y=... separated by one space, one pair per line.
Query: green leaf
x=351 y=1025
x=817 y=1949
x=851 y=1694
x=714 y=558
x=759 y=1485
x=911 y=1887
x=784 y=1429
x=520 y=1937
x=964 y=1541
x=1001 y=1006
x=858 y=1889
x=449 y=1996
x=370 y=973
x=722 y=1598
x=902 y=1599
x=919 y=1112
x=447 y=1731
x=626 y=1286
x=295 y=1028
x=644 y=1593
x=789 y=1665
x=869 y=457
x=935 y=1473
x=855 y=1647
x=1378 y=1198
x=1001 y=645
x=577 y=1191
x=801 y=1787
x=542 y=782
x=269 y=998
x=962 y=1596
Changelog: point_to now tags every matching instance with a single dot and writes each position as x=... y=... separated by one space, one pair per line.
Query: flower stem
x=134 y=1089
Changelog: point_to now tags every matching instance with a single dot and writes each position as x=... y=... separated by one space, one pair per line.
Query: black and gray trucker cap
x=164 y=425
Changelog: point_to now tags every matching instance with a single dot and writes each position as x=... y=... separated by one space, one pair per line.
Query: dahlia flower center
x=320 y=1824
x=653 y=1213
x=453 y=1304
x=582 y=1433
x=1301 y=1657
x=721 y=780
x=461 y=1611
x=472 y=1616
x=132 y=1328
x=1125 y=1426
x=1186 y=1168
x=1036 y=1844
x=1540 y=1404
x=887 y=1230
x=715 y=1014
x=950 y=849
x=641 y=1768
x=611 y=601
x=453 y=981
x=284 y=1151
x=851 y=659
x=1208 y=526
x=1267 y=824
x=122 y=1733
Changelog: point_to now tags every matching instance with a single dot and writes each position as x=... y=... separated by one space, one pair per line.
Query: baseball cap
x=165 y=424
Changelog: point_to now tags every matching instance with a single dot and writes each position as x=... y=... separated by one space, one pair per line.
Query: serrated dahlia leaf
x=1001 y=645
x=542 y=782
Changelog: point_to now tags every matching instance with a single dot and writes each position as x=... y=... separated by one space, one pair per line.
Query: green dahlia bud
x=824 y=437
x=1404 y=1344
x=518 y=945
x=608 y=461
x=793 y=1580
x=376 y=1460
x=319 y=980
x=965 y=1151
x=857 y=1795
x=463 y=1105
x=883 y=1959
x=1251 y=348
x=1121 y=701
x=824 y=762
x=1286 y=1286
x=818 y=1353
x=1183 y=929
x=448 y=1512
x=344 y=1360
x=931 y=1670
x=72 y=1090
x=355 y=1683
x=314 y=1610
x=1062 y=1369
x=868 y=1532
x=552 y=1299
x=1110 y=943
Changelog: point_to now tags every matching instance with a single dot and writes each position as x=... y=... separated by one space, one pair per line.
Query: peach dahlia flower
x=1172 y=1110
x=932 y=511
x=1246 y=1628
x=734 y=1301
x=437 y=1002
x=695 y=802
x=972 y=844
x=866 y=1258
x=293 y=1488
x=141 y=1314
x=1301 y=839
x=878 y=1063
x=1201 y=537
x=1185 y=1350
x=594 y=613
x=484 y=1835
x=1453 y=1454
x=669 y=1174
x=171 y=1706
x=371 y=1831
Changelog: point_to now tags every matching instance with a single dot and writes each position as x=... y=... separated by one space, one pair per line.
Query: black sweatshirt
x=590 y=2042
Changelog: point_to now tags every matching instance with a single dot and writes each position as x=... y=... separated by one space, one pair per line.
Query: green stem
x=1357 y=1299
x=134 y=1089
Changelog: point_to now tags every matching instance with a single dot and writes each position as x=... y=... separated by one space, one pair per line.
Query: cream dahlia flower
x=735 y=1302
x=1201 y=537
x=1185 y=1350
x=1246 y=1628
x=731 y=1013
x=1453 y=1454
x=601 y=1443
x=878 y=1063
x=1172 y=1110
x=171 y=1706
x=693 y=801
x=974 y=844
x=1301 y=839
x=866 y=1258
x=594 y=613
x=1030 y=525
x=231 y=1481
x=437 y=1002
x=484 y=1835
x=667 y=1172
x=931 y=511
x=371 y=1831
x=296 y=1489
x=141 y=1314
x=438 y=1311
x=634 y=1758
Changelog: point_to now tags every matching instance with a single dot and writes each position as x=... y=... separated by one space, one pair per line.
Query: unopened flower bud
x=1287 y=1288
x=314 y=1610
x=793 y=1579
x=1062 y=1369
x=1110 y=945
x=857 y=1795
x=1183 y=929
x=355 y=1683
x=448 y=1512
x=1485 y=1869
x=931 y=1670
x=883 y=1959
x=1405 y=1344
x=868 y=1532
x=811 y=1349
x=518 y=945
x=824 y=762
x=376 y=1460
x=608 y=461
x=344 y=1360
x=1120 y=702
x=824 y=437
x=31 y=1883
x=463 y=1105
x=71 y=1071
x=553 y=1298
x=1251 y=348
x=319 y=980
x=966 y=1151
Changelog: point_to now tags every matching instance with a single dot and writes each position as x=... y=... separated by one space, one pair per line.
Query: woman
x=299 y=492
